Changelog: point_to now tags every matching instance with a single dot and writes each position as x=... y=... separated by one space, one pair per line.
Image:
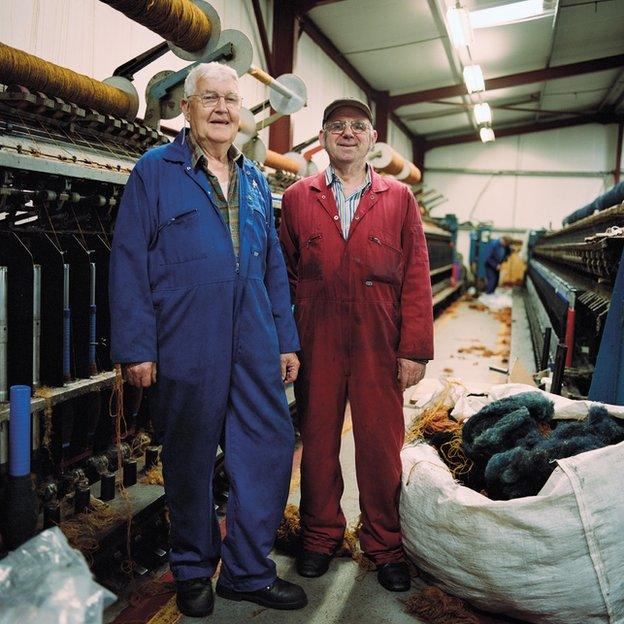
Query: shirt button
x=322 y=196
x=336 y=217
x=356 y=217
x=188 y=168
x=368 y=283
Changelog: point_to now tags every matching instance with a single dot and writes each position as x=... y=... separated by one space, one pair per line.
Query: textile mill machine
x=574 y=299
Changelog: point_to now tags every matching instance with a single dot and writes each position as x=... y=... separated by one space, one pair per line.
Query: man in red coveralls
x=359 y=271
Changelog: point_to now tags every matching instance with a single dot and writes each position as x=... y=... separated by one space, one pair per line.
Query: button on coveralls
x=216 y=328
x=360 y=304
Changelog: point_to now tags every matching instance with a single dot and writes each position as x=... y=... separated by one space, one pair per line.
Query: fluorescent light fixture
x=458 y=26
x=483 y=113
x=512 y=13
x=486 y=134
x=473 y=77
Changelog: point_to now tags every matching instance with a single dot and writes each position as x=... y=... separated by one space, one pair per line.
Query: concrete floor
x=346 y=594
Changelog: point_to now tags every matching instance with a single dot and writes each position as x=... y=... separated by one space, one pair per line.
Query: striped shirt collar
x=197 y=153
x=331 y=177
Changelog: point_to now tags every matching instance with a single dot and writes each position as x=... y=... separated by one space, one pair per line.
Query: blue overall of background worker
x=496 y=252
x=198 y=287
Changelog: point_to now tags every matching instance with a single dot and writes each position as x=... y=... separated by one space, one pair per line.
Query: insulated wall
x=526 y=181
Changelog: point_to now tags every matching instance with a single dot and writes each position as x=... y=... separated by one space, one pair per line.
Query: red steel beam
x=513 y=80
x=526 y=129
x=266 y=48
x=285 y=35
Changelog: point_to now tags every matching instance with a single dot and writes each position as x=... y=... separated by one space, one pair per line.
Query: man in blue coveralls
x=198 y=287
x=496 y=252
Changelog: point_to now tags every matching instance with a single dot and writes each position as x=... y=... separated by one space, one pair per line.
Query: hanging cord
x=117 y=400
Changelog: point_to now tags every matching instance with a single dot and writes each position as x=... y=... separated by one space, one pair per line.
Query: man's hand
x=289 y=363
x=409 y=373
x=140 y=374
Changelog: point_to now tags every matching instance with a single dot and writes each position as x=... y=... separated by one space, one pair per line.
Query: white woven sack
x=554 y=558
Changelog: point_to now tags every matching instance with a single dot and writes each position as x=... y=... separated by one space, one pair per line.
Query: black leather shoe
x=394 y=576
x=279 y=595
x=194 y=597
x=312 y=564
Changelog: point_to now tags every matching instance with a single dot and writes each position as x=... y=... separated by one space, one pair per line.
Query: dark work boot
x=279 y=595
x=394 y=576
x=312 y=564
x=194 y=597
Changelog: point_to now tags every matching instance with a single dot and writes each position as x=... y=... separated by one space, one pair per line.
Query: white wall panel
x=399 y=141
x=524 y=201
x=325 y=82
x=89 y=37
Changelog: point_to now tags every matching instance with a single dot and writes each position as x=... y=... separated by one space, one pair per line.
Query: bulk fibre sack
x=554 y=558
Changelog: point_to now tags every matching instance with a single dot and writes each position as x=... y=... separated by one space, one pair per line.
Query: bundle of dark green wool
x=514 y=443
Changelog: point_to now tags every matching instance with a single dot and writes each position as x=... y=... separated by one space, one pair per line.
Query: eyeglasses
x=357 y=126
x=210 y=100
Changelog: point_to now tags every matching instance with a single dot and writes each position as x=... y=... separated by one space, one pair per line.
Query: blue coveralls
x=216 y=326
x=495 y=254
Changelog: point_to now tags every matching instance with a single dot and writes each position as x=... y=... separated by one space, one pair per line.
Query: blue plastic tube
x=19 y=431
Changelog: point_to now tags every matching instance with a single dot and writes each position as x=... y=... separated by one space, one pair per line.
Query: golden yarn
x=434 y=418
x=281 y=162
x=260 y=75
x=46 y=394
x=18 y=67
x=436 y=607
x=83 y=531
x=178 y=21
x=414 y=176
x=153 y=476
x=395 y=166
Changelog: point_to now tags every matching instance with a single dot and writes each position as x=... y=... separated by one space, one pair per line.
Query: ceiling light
x=483 y=113
x=458 y=26
x=511 y=13
x=486 y=134
x=473 y=77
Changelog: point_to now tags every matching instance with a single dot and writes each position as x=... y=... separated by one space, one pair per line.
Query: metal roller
x=288 y=92
x=241 y=55
x=114 y=96
x=255 y=150
x=246 y=128
x=387 y=160
x=191 y=27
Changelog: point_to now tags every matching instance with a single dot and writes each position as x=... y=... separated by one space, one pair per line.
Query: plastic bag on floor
x=497 y=300
x=46 y=581
x=553 y=558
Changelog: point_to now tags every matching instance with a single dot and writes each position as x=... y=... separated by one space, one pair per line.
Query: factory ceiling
x=561 y=67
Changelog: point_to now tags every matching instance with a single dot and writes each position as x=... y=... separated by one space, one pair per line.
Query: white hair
x=207 y=70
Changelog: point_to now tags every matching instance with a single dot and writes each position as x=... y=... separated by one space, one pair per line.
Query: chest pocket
x=384 y=258
x=311 y=256
x=180 y=238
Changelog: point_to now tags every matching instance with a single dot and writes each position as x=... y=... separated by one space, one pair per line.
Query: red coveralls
x=360 y=304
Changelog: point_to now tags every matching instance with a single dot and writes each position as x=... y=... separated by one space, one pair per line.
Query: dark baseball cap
x=352 y=102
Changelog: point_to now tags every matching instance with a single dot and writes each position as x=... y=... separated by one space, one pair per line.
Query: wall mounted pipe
x=18 y=510
x=114 y=96
x=19 y=431
x=387 y=160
